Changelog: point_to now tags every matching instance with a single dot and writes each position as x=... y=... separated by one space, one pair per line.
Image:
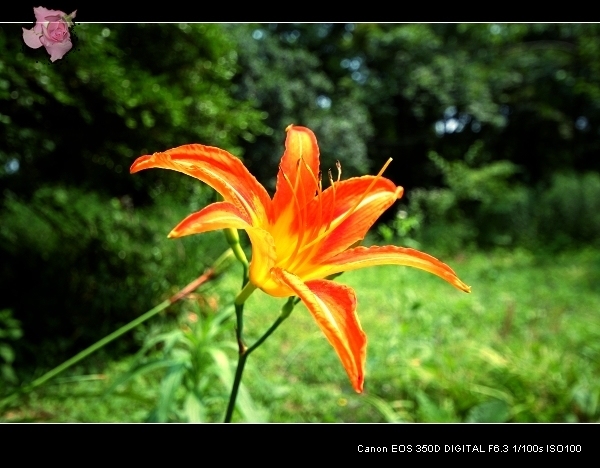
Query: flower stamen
x=332 y=211
x=303 y=254
x=318 y=195
x=302 y=210
x=349 y=212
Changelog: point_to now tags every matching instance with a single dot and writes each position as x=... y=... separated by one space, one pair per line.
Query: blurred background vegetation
x=494 y=130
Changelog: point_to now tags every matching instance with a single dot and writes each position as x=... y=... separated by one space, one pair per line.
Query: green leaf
x=194 y=409
x=138 y=370
x=431 y=412
x=386 y=410
x=8 y=373
x=244 y=403
x=7 y=353
x=167 y=392
x=493 y=411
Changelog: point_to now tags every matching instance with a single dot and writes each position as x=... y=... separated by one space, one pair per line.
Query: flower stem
x=286 y=310
x=244 y=294
x=206 y=276
x=244 y=352
x=239 y=313
x=239 y=328
x=233 y=239
x=236 y=385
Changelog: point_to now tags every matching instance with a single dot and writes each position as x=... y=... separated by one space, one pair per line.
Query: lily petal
x=361 y=257
x=219 y=169
x=333 y=307
x=300 y=143
x=348 y=193
x=223 y=215
x=219 y=215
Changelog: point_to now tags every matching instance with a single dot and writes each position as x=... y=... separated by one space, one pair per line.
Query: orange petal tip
x=135 y=167
x=289 y=127
x=460 y=285
x=358 y=388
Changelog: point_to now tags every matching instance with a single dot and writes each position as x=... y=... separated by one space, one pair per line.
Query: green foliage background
x=494 y=130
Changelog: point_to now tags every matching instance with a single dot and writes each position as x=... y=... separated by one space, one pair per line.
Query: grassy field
x=524 y=346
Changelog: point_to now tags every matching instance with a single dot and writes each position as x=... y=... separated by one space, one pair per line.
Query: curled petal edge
x=222 y=215
x=219 y=169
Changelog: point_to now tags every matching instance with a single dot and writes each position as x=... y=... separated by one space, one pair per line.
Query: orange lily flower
x=304 y=234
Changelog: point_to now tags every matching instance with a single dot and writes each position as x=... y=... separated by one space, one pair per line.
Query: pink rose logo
x=51 y=30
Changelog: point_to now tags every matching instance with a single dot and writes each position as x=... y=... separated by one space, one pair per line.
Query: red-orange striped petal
x=223 y=215
x=381 y=195
x=218 y=215
x=219 y=169
x=333 y=306
x=300 y=143
x=362 y=257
